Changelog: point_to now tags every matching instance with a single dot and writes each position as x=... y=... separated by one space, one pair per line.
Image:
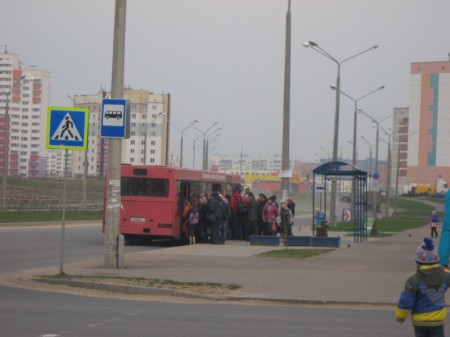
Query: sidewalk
x=371 y=272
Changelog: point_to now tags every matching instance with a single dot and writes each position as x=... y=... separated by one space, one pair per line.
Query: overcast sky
x=223 y=60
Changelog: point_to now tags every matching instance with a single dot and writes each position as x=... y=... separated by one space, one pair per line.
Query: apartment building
x=429 y=123
x=399 y=149
x=24 y=98
x=245 y=164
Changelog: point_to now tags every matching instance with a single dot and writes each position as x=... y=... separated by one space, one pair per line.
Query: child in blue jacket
x=424 y=294
x=433 y=223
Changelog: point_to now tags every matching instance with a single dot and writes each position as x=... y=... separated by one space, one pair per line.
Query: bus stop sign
x=114 y=118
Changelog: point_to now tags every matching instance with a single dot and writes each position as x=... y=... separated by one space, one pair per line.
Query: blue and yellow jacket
x=424 y=296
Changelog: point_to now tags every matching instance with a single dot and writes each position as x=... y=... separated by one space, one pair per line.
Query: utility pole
x=286 y=106
x=111 y=253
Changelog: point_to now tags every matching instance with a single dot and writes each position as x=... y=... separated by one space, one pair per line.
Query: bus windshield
x=149 y=187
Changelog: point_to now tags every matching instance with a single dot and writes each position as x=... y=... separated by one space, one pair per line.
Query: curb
x=139 y=290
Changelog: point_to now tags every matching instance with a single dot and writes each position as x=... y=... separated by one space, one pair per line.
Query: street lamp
x=209 y=141
x=146 y=129
x=374 y=178
x=191 y=124
x=205 y=142
x=389 y=168
x=355 y=115
x=6 y=140
x=328 y=153
x=344 y=147
x=314 y=46
x=370 y=153
x=376 y=124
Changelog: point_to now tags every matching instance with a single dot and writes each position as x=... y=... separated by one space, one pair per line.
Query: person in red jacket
x=238 y=206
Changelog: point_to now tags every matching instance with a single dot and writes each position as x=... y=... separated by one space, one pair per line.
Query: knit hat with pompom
x=427 y=253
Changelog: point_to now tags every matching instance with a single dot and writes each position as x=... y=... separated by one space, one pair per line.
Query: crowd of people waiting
x=235 y=217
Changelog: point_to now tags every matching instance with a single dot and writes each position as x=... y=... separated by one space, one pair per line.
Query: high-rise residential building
x=429 y=123
x=24 y=98
x=399 y=149
x=149 y=132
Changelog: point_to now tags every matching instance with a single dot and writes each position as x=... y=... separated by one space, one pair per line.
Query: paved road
x=34 y=313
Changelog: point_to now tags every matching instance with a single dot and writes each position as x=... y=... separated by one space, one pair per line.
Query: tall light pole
x=191 y=124
x=146 y=129
x=313 y=45
x=207 y=148
x=205 y=145
x=349 y=143
x=355 y=116
x=286 y=108
x=370 y=153
x=376 y=124
x=209 y=140
x=377 y=140
x=6 y=141
x=328 y=153
x=389 y=173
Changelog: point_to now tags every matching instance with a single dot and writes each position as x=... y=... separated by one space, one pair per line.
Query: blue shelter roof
x=339 y=168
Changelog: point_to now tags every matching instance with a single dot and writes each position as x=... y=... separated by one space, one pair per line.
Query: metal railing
x=50 y=204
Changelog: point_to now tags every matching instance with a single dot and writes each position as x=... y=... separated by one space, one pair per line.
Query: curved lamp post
x=191 y=124
x=355 y=115
x=205 y=142
x=314 y=46
x=370 y=153
x=6 y=140
x=389 y=173
x=376 y=124
x=328 y=153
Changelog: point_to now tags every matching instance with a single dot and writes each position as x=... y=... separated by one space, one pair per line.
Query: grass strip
x=141 y=281
x=410 y=214
x=295 y=253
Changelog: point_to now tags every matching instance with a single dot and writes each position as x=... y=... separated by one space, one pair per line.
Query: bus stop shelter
x=340 y=171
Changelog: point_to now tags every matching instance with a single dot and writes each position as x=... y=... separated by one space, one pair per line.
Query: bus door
x=217 y=188
x=184 y=205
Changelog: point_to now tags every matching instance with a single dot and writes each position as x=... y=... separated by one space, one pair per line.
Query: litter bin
x=322 y=231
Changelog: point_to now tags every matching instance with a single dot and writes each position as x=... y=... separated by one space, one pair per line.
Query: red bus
x=152 y=198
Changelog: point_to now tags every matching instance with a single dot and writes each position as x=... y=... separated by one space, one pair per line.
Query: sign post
x=67 y=129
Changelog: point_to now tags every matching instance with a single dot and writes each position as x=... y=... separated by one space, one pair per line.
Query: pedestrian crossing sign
x=67 y=128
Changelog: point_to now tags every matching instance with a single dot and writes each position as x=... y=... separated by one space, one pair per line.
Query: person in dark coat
x=214 y=217
x=203 y=226
x=261 y=203
x=252 y=211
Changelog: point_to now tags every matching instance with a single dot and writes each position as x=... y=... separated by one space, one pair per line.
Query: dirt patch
x=93 y=282
x=205 y=289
